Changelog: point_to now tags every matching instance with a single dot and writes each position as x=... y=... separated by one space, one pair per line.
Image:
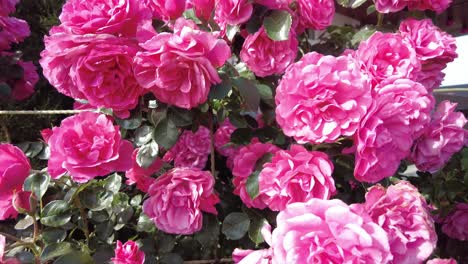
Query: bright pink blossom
x=128 y=253
x=404 y=214
x=178 y=198
x=321 y=98
x=203 y=8
x=442 y=138
x=399 y=115
x=327 y=231
x=180 y=68
x=455 y=224
x=436 y=5
x=166 y=10
x=296 y=175
x=262 y=256
x=88 y=145
x=24 y=87
x=13 y=30
x=99 y=71
x=14 y=169
x=142 y=176
x=222 y=137
x=266 y=57
x=386 y=55
x=316 y=14
x=441 y=261
x=7 y=7
x=244 y=164
x=117 y=17
x=233 y=12
x=390 y=6
x=191 y=149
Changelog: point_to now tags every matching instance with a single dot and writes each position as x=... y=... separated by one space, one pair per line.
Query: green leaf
x=370 y=9
x=31 y=149
x=209 y=232
x=143 y=135
x=113 y=183
x=231 y=31
x=75 y=257
x=235 y=225
x=351 y=3
x=53 y=235
x=147 y=154
x=166 y=133
x=252 y=185
x=5 y=89
x=278 y=24
x=221 y=90
x=357 y=3
x=136 y=200
x=24 y=223
x=265 y=92
x=190 y=14
x=157 y=115
x=255 y=229
x=55 y=250
x=96 y=199
x=37 y=183
x=56 y=213
x=362 y=35
x=241 y=136
x=180 y=117
x=130 y=123
x=145 y=224
x=249 y=93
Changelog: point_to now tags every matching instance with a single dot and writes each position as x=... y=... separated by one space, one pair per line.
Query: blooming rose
x=117 y=17
x=316 y=14
x=327 y=231
x=222 y=137
x=443 y=137
x=178 y=198
x=88 y=145
x=321 y=98
x=399 y=115
x=296 y=175
x=390 y=6
x=441 y=261
x=24 y=87
x=166 y=10
x=244 y=164
x=262 y=256
x=203 y=8
x=404 y=214
x=266 y=57
x=233 y=12
x=436 y=5
x=7 y=7
x=14 y=169
x=180 y=68
x=142 y=176
x=191 y=149
x=13 y=30
x=386 y=55
x=97 y=68
x=454 y=225
x=128 y=253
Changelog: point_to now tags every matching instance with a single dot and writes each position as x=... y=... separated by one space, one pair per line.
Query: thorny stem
x=19 y=242
x=83 y=217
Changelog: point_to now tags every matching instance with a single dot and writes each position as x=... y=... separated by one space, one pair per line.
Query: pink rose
x=442 y=138
x=191 y=149
x=97 y=68
x=399 y=115
x=142 y=176
x=266 y=57
x=178 y=198
x=222 y=137
x=248 y=256
x=321 y=98
x=404 y=214
x=233 y=12
x=436 y=5
x=88 y=145
x=327 y=231
x=7 y=7
x=390 y=6
x=13 y=30
x=296 y=175
x=14 y=169
x=316 y=14
x=180 y=68
x=117 y=17
x=386 y=55
x=24 y=87
x=128 y=253
x=454 y=225
x=244 y=165
x=441 y=261
x=166 y=10
x=203 y=8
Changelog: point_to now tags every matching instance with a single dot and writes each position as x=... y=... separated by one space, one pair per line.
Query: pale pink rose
x=274 y=4
x=327 y=231
x=296 y=175
x=386 y=55
x=244 y=165
x=442 y=138
x=404 y=214
x=441 y=261
x=14 y=169
x=398 y=116
x=434 y=49
x=315 y=14
x=222 y=137
x=264 y=56
x=180 y=68
x=390 y=6
x=178 y=198
x=203 y=8
x=191 y=149
x=128 y=253
x=117 y=17
x=88 y=145
x=248 y=256
x=142 y=176
x=436 y=5
x=454 y=225
x=13 y=30
x=321 y=98
x=2 y=247
x=24 y=87
x=7 y=7
x=166 y=10
x=233 y=12
x=97 y=68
